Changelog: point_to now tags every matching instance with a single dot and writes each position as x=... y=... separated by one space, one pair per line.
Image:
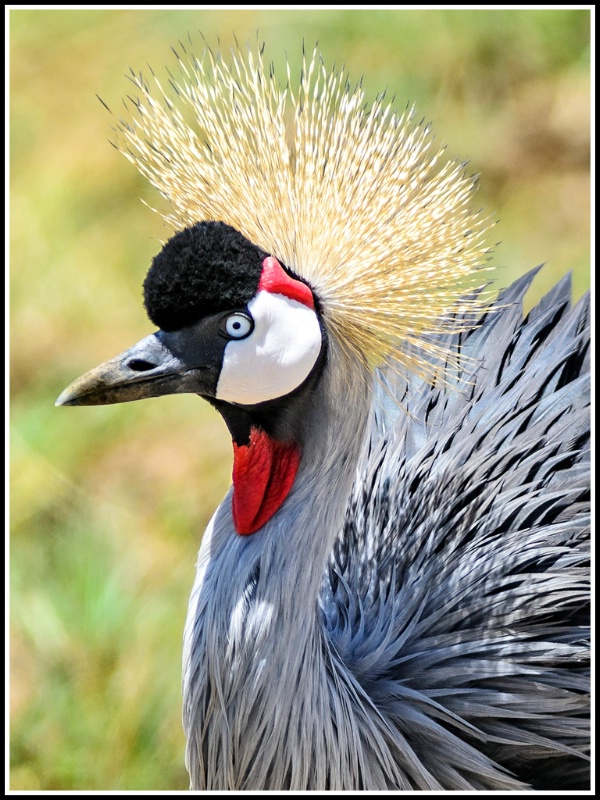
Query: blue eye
x=238 y=325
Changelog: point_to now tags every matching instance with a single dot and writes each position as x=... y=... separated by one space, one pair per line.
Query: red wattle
x=263 y=474
x=275 y=279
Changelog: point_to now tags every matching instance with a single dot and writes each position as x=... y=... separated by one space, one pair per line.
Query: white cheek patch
x=277 y=356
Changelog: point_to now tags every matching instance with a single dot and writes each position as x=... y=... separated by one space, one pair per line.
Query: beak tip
x=65 y=398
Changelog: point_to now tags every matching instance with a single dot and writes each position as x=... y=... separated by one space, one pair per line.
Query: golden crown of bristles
x=351 y=199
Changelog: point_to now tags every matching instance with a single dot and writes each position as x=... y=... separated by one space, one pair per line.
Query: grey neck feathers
x=256 y=663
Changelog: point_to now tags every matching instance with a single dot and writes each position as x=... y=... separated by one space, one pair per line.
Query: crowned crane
x=393 y=593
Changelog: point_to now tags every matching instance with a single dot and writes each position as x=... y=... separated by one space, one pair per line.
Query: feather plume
x=354 y=200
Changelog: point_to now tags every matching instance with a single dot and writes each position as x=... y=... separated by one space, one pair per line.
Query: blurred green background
x=108 y=504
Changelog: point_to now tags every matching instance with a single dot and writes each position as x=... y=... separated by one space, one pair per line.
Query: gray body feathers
x=445 y=643
x=458 y=592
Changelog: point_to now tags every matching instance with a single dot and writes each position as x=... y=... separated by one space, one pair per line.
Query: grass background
x=108 y=504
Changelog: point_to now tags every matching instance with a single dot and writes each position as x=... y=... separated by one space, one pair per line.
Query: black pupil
x=237 y=325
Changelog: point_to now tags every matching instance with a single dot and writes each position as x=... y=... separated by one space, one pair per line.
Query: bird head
x=304 y=221
x=237 y=328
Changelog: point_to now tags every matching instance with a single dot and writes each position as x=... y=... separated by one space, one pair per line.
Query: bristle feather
x=351 y=200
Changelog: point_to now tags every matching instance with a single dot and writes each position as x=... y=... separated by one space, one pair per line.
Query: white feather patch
x=277 y=356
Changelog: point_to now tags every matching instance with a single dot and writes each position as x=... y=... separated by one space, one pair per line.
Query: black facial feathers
x=202 y=270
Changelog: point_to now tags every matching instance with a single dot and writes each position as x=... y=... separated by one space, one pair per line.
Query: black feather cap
x=202 y=270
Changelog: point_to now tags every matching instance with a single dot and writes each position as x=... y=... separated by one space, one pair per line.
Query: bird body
x=445 y=645
x=393 y=594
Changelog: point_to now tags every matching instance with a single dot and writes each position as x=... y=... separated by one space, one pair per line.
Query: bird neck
x=254 y=618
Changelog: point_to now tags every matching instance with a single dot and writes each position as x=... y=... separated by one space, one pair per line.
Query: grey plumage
x=445 y=643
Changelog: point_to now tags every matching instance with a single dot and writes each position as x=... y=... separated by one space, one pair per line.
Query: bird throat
x=263 y=474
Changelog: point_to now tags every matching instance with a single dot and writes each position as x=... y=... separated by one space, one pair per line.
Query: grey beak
x=150 y=368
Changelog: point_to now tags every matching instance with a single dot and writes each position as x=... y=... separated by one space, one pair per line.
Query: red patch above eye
x=275 y=279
